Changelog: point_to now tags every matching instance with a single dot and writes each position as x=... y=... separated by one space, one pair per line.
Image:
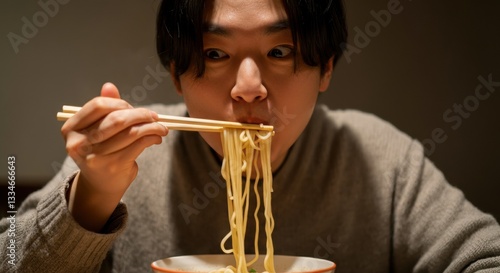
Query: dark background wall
x=417 y=68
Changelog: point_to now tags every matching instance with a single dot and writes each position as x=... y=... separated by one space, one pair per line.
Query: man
x=347 y=186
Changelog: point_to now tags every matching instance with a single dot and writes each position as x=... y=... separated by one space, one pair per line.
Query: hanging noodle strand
x=247 y=154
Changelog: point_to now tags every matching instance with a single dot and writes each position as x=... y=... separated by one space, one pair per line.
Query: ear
x=324 y=81
x=175 y=79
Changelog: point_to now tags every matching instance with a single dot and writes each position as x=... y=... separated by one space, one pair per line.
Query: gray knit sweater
x=352 y=189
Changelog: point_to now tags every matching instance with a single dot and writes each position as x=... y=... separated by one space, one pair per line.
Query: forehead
x=244 y=14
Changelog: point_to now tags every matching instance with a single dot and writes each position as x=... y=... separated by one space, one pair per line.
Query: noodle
x=244 y=151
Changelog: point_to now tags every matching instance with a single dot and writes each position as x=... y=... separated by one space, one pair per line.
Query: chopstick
x=182 y=123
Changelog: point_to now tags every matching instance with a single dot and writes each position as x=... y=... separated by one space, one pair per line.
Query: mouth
x=253 y=120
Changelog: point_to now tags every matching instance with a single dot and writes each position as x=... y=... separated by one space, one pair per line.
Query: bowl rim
x=155 y=267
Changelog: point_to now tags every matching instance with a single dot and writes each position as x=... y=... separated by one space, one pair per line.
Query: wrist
x=89 y=208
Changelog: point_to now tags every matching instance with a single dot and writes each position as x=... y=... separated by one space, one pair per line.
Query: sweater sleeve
x=44 y=237
x=436 y=227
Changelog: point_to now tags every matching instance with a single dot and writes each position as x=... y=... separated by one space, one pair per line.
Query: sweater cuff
x=67 y=238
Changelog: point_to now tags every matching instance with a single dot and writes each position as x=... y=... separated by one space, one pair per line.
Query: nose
x=248 y=86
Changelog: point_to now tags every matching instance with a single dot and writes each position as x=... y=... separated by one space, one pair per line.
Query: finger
x=122 y=160
x=78 y=146
x=118 y=121
x=128 y=124
x=96 y=108
x=109 y=90
x=92 y=111
x=128 y=136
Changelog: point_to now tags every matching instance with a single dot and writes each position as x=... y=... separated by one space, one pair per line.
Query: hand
x=104 y=139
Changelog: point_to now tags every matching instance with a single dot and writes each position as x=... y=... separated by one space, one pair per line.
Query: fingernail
x=165 y=130
x=154 y=115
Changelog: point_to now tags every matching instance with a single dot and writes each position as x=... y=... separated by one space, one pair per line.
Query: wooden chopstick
x=182 y=123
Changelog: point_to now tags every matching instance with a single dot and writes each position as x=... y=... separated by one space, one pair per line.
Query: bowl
x=207 y=263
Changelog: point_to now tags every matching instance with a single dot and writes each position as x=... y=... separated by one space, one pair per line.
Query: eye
x=280 y=52
x=215 y=54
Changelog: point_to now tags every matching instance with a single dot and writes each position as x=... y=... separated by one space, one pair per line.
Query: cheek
x=201 y=100
x=292 y=110
x=294 y=102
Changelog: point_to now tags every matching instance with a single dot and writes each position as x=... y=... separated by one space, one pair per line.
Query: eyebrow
x=223 y=31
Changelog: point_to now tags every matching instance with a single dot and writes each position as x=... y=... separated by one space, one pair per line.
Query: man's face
x=250 y=73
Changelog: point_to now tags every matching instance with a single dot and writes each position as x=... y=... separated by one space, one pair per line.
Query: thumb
x=110 y=90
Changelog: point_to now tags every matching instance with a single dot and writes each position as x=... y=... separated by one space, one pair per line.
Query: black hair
x=317 y=26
